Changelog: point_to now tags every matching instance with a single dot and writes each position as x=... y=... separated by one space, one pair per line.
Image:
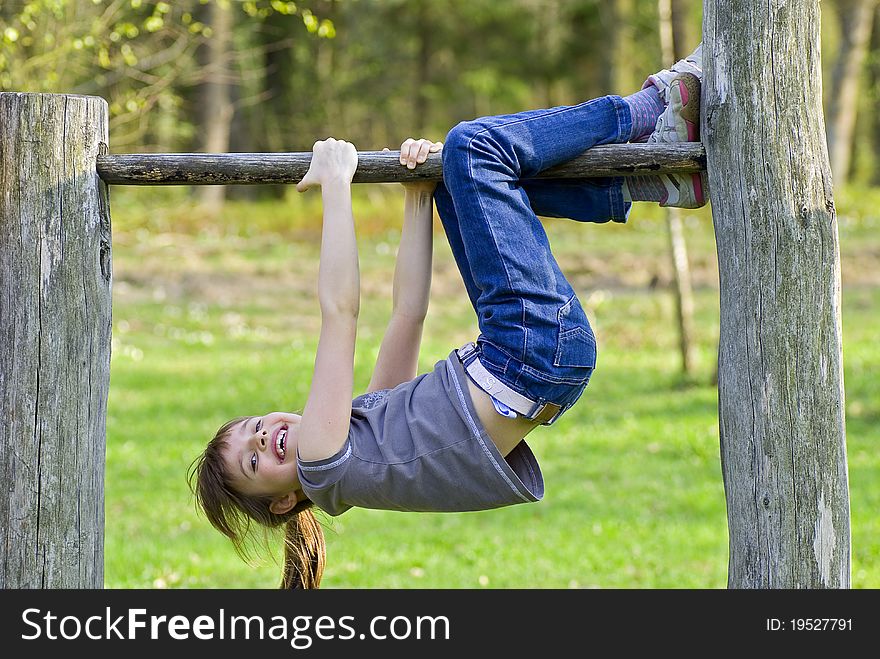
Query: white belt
x=546 y=413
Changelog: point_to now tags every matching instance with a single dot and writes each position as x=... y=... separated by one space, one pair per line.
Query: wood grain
x=55 y=278
x=780 y=375
x=376 y=166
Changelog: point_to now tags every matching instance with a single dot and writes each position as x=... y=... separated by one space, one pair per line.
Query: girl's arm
x=399 y=353
x=327 y=412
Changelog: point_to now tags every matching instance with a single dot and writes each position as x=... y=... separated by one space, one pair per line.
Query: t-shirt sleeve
x=370 y=399
x=320 y=479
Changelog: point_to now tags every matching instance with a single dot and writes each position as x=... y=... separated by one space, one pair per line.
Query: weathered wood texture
x=376 y=166
x=780 y=377
x=55 y=278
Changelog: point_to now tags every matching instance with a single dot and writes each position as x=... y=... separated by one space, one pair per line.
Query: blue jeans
x=534 y=334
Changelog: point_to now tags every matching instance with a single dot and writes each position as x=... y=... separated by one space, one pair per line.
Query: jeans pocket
x=575 y=342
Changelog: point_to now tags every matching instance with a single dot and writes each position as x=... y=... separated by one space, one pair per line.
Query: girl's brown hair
x=231 y=513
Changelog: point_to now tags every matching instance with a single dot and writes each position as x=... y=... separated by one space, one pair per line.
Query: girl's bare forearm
x=338 y=271
x=412 y=272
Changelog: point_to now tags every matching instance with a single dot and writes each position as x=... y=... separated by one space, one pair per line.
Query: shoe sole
x=689 y=89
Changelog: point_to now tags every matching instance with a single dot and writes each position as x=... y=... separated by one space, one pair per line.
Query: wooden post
x=780 y=378
x=55 y=278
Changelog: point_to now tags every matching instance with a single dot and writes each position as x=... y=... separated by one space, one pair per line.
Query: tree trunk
x=422 y=32
x=329 y=84
x=780 y=380
x=682 y=289
x=272 y=134
x=617 y=20
x=683 y=40
x=872 y=119
x=856 y=18
x=217 y=108
x=55 y=278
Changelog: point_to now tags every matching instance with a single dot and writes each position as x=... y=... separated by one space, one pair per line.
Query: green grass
x=216 y=317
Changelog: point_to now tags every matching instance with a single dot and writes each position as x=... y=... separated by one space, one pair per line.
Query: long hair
x=231 y=513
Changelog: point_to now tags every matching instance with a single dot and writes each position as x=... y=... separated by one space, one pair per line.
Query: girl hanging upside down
x=451 y=439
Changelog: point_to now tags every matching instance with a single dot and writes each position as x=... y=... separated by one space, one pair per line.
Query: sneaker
x=693 y=63
x=685 y=190
x=680 y=122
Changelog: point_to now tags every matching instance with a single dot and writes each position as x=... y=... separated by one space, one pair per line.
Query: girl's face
x=261 y=455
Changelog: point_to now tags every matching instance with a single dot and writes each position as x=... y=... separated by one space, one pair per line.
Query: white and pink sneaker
x=680 y=122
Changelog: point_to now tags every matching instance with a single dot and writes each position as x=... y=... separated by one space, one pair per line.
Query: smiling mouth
x=280 y=443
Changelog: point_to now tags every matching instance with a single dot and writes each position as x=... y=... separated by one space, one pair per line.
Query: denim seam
x=484 y=215
x=477 y=434
x=616 y=101
x=550 y=379
x=503 y=373
x=499 y=369
x=507 y=358
x=616 y=201
x=523 y=368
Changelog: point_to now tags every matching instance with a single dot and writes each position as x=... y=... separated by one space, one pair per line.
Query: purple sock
x=645 y=106
x=646 y=188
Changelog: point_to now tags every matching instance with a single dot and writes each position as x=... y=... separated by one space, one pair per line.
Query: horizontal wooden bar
x=378 y=166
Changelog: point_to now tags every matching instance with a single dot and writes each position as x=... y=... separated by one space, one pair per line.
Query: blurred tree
x=681 y=14
x=856 y=20
x=615 y=18
x=215 y=94
x=243 y=94
x=422 y=81
x=871 y=145
x=670 y=25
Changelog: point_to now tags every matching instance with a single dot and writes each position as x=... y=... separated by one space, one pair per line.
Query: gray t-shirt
x=421 y=447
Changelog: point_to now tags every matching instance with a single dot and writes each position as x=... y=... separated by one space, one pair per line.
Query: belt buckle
x=546 y=413
x=466 y=351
